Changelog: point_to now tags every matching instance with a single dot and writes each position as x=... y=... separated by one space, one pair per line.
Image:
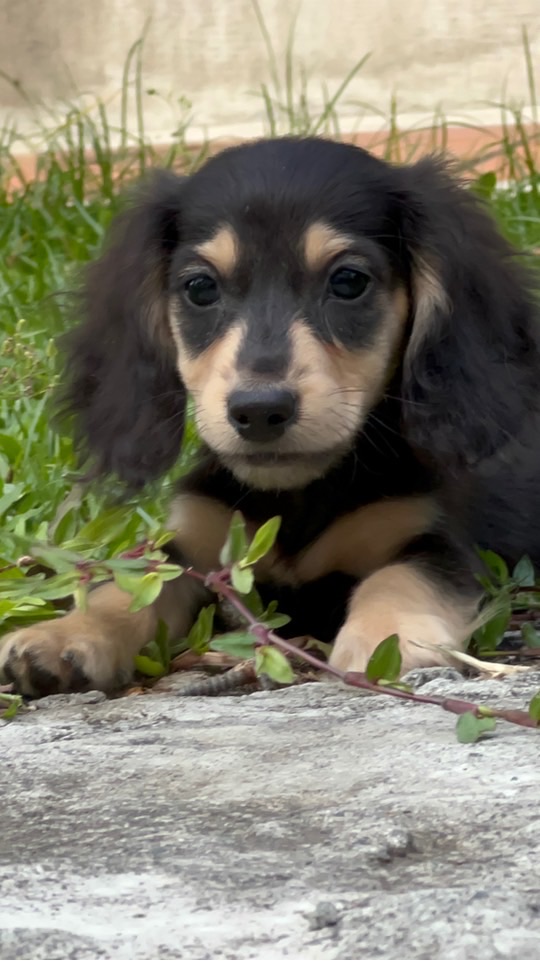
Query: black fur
x=122 y=383
x=460 y=415
x=475 y=379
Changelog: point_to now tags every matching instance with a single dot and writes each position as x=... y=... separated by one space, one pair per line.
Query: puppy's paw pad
x=46 y=659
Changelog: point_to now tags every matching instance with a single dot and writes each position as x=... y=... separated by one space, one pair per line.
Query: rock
x=313 y=823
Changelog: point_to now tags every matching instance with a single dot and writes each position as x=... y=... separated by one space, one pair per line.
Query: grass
x=52 y=223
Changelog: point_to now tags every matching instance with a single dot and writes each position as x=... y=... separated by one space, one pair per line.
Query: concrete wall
x=460 y=54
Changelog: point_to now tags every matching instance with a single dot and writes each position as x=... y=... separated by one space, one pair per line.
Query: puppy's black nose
x=262 y=415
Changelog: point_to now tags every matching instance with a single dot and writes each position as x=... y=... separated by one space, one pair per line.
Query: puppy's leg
x=362 y=541
x=95 y=649
x=403 y=599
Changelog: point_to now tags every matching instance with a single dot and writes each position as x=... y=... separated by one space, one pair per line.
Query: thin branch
x=262 y=635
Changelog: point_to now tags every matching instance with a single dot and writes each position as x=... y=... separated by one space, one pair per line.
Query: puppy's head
x=282 y=286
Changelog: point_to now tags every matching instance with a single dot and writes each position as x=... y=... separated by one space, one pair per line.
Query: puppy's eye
x=202 y=290
x=347 y=283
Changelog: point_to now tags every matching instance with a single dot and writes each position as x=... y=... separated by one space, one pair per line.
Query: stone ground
x=309 y=823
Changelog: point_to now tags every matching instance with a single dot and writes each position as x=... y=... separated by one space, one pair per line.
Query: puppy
x=361 y=346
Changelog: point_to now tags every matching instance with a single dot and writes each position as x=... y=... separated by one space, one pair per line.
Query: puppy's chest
x=349 y=523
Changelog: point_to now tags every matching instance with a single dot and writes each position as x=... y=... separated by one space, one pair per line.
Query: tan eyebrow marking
x=221 y=250
x=321 y=243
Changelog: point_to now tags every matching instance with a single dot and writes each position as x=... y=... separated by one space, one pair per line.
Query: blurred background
x=222 y=62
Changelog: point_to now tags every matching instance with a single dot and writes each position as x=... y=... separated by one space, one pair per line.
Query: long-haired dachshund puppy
x=362 y=349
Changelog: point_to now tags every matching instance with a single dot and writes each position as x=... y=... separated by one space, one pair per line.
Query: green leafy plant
x=142 y=570
x=514 y=599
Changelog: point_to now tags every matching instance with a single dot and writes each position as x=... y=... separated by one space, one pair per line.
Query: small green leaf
x=10 y=446
x=530 y=635
x=64 y=527
x=489 y=635
x=13 y=702
x=150 y=668
x=127 y=582
x=525 y=601
x=254 y=603
x=57 y=558
x=263 y=541
x=152 y=651
x=534 y=708
x=485 y=184
x=107 y=524
x=313 y=644
x=270 y=661
x=237 y=643
x=235 y=546
x=271 y=617
x=274 y=620
x=242 y=579
x=161 y=640
x=12 y=493
x=148 y=590
x=487 y=584
x=169 y=572
x=496 y=566
x=385 y=660
x=200 y=634
x=523 y=573
x=127 y=563
x=163 y=538
x=470 y=728
x=56 y=587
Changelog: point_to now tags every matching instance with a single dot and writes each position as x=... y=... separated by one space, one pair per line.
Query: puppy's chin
x=281 y=473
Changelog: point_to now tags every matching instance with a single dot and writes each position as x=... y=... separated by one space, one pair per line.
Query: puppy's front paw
x=356 y=642
x=68 y=654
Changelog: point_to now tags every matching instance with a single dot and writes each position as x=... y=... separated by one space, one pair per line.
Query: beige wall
x=457 y=53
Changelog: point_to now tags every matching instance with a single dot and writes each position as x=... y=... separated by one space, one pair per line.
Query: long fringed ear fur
x=122 y=384
x=472 y=363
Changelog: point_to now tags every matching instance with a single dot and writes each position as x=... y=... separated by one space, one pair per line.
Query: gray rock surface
x=306 y=823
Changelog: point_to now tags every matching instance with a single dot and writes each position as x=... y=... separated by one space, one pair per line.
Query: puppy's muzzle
x=262 y=415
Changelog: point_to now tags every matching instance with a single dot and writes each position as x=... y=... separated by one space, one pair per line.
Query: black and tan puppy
x=362 y=350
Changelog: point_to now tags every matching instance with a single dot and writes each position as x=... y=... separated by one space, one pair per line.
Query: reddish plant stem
x=263 y=635
x=454 y=705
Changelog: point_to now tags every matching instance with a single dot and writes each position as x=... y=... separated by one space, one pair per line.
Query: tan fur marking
x=322 y=243
x=154 y=299
x=202 y=524
x=429 y=296
x=362 y=541
x=337 y=386
x=400 y=599
x=222 y=250
x=211 y=375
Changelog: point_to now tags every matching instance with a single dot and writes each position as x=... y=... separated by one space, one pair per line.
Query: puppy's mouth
x=274 y=458
x=287 y=470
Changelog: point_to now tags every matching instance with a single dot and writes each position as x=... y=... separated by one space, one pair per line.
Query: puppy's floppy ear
x=122 y=384
x=472 y=363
